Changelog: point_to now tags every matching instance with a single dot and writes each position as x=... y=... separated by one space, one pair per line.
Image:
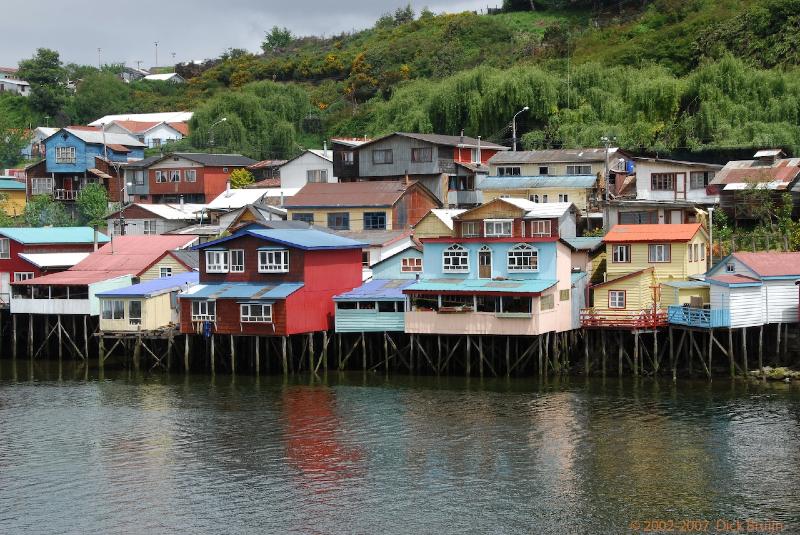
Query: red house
x=26 y=253
x=269 y=282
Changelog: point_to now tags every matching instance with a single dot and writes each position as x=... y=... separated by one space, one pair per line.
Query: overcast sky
x=191 y=29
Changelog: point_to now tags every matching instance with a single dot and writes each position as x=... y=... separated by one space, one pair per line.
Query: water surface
x=366 y=454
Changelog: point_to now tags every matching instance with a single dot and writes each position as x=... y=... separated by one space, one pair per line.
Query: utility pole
x=156 y=43
x=99 y=60
x=606 y=143
x=514 y=127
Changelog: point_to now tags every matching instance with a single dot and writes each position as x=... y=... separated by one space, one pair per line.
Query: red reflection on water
x=312 y=444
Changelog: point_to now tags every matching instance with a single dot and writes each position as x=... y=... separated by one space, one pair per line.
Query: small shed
x=375 y=306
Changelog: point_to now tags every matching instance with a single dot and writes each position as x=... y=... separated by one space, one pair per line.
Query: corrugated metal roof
x=530 y=182
x=95 y=137
x=373 y=237
x=651 y=233
x=441 y=139
x=584 y=243
x=239 y=198
x=446 y=215
x=10 y=183
x=215 y=160
x=52 y=235
x=187 y=256
x=377 y=290
x=155 y=287
x=243 y=291
x=481 y=285
x=767 y=152
x=771 y=264
x=756 y=171
x=142 y=164
x=53 y=260
x=549 y=209
x=575 y=276
x=685 y=284
x=553 y=156
x=733 y=280
x=302 y=238
x=169 y=116
x=171 y=212
x=378 y=193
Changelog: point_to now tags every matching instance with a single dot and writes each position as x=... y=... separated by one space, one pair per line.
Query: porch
x=704 y=318
x=623 y=319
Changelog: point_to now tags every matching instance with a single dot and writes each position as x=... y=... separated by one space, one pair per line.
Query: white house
x=172 y=77
x=142 y=219
x=161 y=117
x=151 y=133
x=11 y=85
x=312 y=166
x=673 y=180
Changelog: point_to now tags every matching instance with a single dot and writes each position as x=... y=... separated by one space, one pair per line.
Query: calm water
x=161 y=454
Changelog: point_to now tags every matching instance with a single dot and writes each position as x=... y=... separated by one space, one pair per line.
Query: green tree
x=43 y=211
x=12 y=141
x=277 y=39
x=241 y=178
x=93 y=204
x=403 y=15
x=48 y=78
x=100 y=94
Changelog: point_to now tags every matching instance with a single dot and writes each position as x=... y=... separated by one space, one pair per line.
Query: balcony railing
x=705 y=318
x=623 y=319
x=65 y=194
x=455 y=197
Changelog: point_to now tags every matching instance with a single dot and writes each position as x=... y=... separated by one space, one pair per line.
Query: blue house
x=75 y=157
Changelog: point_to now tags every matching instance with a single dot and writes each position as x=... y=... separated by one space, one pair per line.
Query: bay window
x=273 y=261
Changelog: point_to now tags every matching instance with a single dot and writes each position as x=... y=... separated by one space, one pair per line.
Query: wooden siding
x=229 y=319
x=157 y=312
x=401 y=158
x=744 y=304
x=638 y=293
x=577 y=196
x=356 y=215
x=250 y=245
x=412 y=206
x=678 y=268
x=13 y=202
x=781 y=298
x=154 y=272
x=431 y=226
x=557 y=169
x=352 y=321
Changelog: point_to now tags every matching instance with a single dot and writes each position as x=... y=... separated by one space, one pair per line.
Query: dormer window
x=455 y=259
x=540 y=227
x=469 y=229
x=730 y=268
x=273 y=261
x=494 y=228
x=217 y=261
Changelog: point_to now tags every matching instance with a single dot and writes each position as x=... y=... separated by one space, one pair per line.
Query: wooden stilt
x=284 y=359
x=603 y=345
x=324 y=351
x=339 y=351
x=257 y=341
x=213 y=355
x=785 y=349
x=508 y=356
x=386 y=353
x=60 y=344
x=731 y=359
x=710 y=348
x=635 y=353
x=438 y=354
x=363 y=352
x=311 y=356
x=777 y=344
x=101 y=352
x=30 y=335
x=541 y=355
x=137 y=352
x=411 y=354
x=85 y=338
x=469 y=357
x=481 y=358
x=586 y=353
x=14 y=336
x=620 y=350
x=691 y=351
x=656 y=358
x=186 y=353
x=744 y=350
x=761 y=350
x=672 y=355
x=233 y=355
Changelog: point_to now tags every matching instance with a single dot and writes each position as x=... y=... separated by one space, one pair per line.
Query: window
x=523 y=257
x=411 y=265
x=175 y=175
x=544 y=170
x=515 y=305
x=273 y=261
x=348 y=157
x=113 y=309
x=190 y=175
x=304 y=217
x=487 y=303
x=365 y=259
x=638 y=218
x=216 y=261
x=382 y=156
x=700 y=179
x=621 y=254
x=730 y=268
x=658 y=252
x=386 y=306
x=509 y=171
x=476 y=156
x=616 y=299
x=702 y=247
x=253 y=313
x=663 y=181
x=224 y=169
x=135 y=312
x=544 y=198
x=533 y=198
x=165 y=272
x=22 y=276
x=374 y=220
x=65 y=155
x=541 y=227
x=42 y=186
x=455 y=259
x=563 y=197
x=138 y=178
x=317 y=175
x=204 y=310
x=497 y=227
x=691 y=252
x=469 y=229
x=149 y=227
x=579 y=169
x=339 y=221
x=5 y=248
x=161 y=176
x=237 y=260
x=421 y=155
x=563 y=295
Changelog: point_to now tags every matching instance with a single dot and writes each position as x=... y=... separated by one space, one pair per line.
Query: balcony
x=704 y=318
x=623 y=319
x=65 y=194
x=464 y=198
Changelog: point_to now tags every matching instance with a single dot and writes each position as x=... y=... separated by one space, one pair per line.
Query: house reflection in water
x=311 y=441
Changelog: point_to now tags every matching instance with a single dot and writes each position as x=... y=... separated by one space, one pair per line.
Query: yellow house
x=172 y=263
x=647 y=269
x=147 y=306
x=12 y=196
x=578 y=190
x=436 y=223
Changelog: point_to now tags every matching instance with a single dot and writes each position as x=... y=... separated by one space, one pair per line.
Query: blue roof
x=524 y=182
x=686 y=284
x=8 y=183
x=377 y=290
x=33 y=235
x=577 y=275
x=481 y=286
x=154 y=287
x=243 y=291
x=302 y=238
x=584 y=243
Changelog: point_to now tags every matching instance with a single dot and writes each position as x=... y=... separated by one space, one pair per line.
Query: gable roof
x=170 y=212
x=319 y=153
x=553 y=156
x=187 y=257
x=543 y=181
x=377 y=193
x=583 y=243
x=52 y=235
x=652 y=233
x=142 y=164
x=155 y=287
x=307 y=239
x=137 y=127
x=233 y=199
x=182 y=128
x=727 y=279
x=53 y=260
x=170 y=116
x=95 y=137
x=781 y=171
x=771 y=264
x=624 y=277
x=441 y=139
x=214 y=160
x=445 y=215
x=377 y=290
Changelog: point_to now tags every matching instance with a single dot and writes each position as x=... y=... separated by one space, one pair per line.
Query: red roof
x=355 y=194
x=118 y=148
x=785 y=170
x=263 y=164
x=733 y=279
x=648 y=233
x=266 y=183
x=125 y=255
x=183 y=128
x=137 y=127
x=771 y=264
x=85 y=128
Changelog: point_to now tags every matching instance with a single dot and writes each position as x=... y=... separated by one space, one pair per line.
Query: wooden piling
x=386 y=353
x=635 y=353
x=284 y=359
x=603 y=344
x=508 y=356
x=324 y=351
x=60 y=332
x=257 y=341
x=186 y=353
x=744 y=350
x=311 y=357
x=469 y=357
x=761 y=348
x=586 y=352
x=85 y=337
x=363 y=352
x=14 y=336
x=30 y=335
x=480 y=355
x=731 y=359
x=541 y=355
x=213 y=355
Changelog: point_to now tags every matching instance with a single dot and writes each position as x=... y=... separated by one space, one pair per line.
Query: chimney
x=182 y=204
x=228 y=188
x=95 y=238
x=462 y=136
x=479 y=151
x=408 y=180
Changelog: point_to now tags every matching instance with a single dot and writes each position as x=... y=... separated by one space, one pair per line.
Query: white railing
x=65 y=194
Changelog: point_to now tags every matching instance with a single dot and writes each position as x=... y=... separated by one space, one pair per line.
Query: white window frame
x=237 y=265
x=730 y=267
x=411 y=265
x=20 y=276
x=190 y=175
x=135 y=320
x=509 y=170
x=5 y=248
x=165 y=271
x=175 y=175
x=42 y=185
x=614 y=299
x=617 y=258
x=541 y=227
x=490 y=228
x=517 y=255
x=469 y=229
x=704 y=178
x=316 y=175
x=149 y=227
x=217 y=261
x=273 y=261
x=579 y=169
x=563 y=197
x=461 y=265
x=202 y=310
x=111 y=308
x=65 y=155
x=245 y=315
x=659 y=253
x=160 y=176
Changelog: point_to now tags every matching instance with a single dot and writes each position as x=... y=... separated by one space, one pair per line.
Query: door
x=485 y=263
x=5 y=288
x=680 y=185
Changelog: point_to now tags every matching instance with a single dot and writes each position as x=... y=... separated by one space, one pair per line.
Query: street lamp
x=211 y=131
x=514 y=127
